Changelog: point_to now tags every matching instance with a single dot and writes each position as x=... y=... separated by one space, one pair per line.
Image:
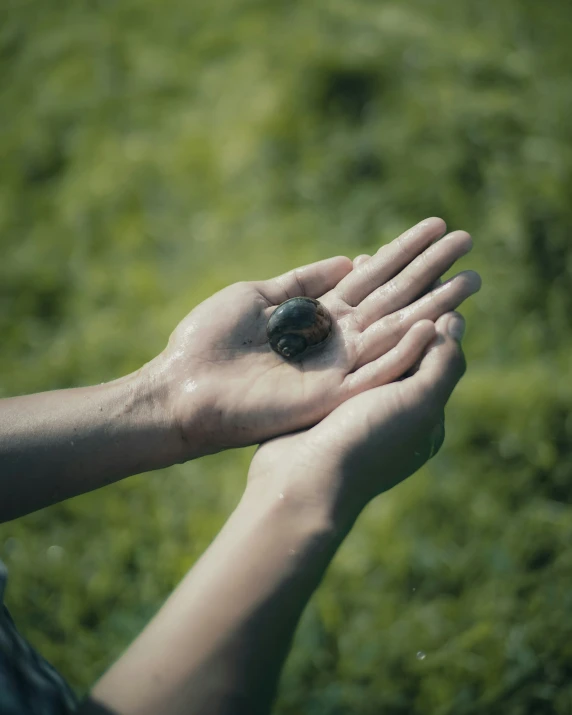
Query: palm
x=361 y=428
x=225 y=361
x=261 y=389
x=372 y=441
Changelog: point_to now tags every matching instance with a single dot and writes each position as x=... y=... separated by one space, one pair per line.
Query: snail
x=296 y=325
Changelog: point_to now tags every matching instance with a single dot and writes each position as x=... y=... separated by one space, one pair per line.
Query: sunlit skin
x=219 y=642
x=376 y=439
x=348 y=421
x=218 y=384
x=224 y=385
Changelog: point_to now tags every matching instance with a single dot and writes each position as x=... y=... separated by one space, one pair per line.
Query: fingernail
x=456 y=327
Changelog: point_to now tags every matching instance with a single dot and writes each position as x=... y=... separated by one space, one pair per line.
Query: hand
x=371 y=442
x=223 y=386
x=219 y=642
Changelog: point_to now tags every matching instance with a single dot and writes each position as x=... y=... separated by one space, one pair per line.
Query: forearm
x=218 y=644
x=55 y=445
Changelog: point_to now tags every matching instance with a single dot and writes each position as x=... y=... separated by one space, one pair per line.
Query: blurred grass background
x=151 y=153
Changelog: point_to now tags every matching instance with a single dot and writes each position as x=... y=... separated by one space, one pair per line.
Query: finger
x=361 y=259
x=389 y=260
x=441 y=368
x=414 y=278
x=430 y=288
x=312 y=280
x=387 y=332
x=435 y=284
x=396 y=362
x=415 y=367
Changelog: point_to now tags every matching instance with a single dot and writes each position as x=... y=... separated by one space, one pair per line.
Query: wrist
x=301 y=502
x=312 y=477
x=291 y=543
x=182 y=403
x=146 y=419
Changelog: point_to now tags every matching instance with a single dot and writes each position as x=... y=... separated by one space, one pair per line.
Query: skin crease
x=267 y=395
x=218 y=384
x=218 y=644
x=350 y=440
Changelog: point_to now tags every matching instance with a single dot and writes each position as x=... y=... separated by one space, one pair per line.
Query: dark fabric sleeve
x=29 y=685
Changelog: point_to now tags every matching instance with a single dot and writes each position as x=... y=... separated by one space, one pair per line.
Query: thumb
x=312 y=280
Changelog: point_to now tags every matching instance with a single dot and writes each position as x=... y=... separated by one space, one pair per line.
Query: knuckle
x=437 y=299
x=298 y=281
x=370 y=273
x=392 y=288
x=425 y=259
x=395 y=327
x=242 y=286
x=360 y=350
x=402 y=247
x=360 y=320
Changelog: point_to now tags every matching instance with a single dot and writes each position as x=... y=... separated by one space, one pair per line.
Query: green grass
x=151 y=153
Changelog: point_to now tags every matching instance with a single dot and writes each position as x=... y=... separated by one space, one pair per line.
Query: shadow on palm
x=378 y=318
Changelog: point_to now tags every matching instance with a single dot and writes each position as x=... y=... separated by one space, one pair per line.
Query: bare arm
x=55 y=445
x=218 y=384
x=218 y=644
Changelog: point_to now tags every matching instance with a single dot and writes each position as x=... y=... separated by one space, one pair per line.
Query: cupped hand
x=223 y=386
x=372 y=441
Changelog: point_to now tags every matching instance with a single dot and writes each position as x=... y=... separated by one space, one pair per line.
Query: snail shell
x=296 y=325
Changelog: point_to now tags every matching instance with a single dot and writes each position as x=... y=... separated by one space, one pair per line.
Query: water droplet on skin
x=292 y=552
x=281 y=496
x=421 y=655
x=190 y=386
